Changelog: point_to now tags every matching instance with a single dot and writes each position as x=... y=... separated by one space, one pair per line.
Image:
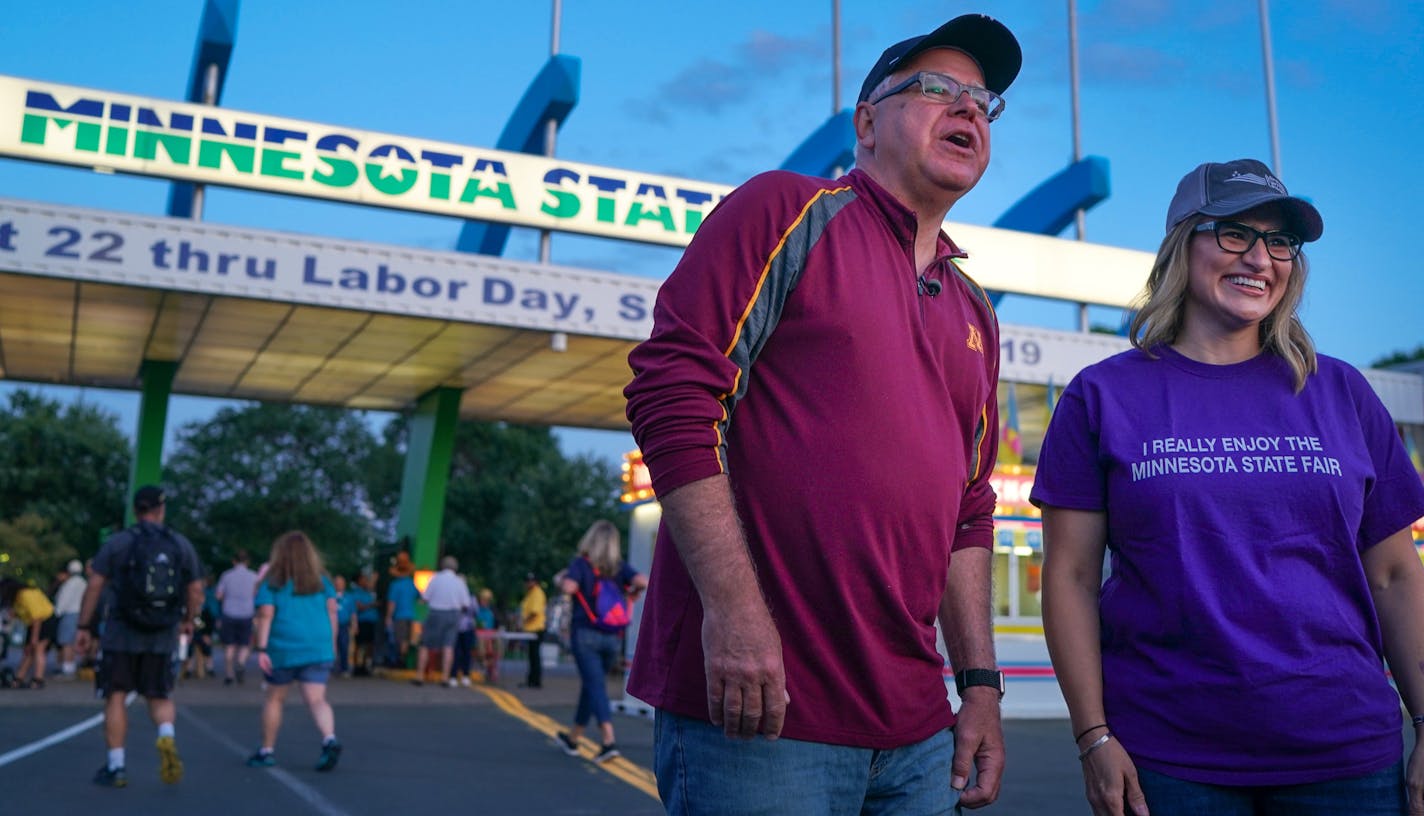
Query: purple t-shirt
x=1239 y=638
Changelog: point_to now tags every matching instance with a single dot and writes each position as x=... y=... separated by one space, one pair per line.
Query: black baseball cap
x=148 y=497
x=987 y=40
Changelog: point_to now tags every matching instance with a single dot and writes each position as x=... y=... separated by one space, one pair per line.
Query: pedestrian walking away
x=154 y=585
x=294 y=635
x=603 y=585
x=1233 y=660
x=237 y=587
x=446 y=596
x=817 y=407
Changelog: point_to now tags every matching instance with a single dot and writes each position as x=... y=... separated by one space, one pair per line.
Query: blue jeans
x=700 y=770
x=596 y=653
x=1381 y=793
x=343 y=648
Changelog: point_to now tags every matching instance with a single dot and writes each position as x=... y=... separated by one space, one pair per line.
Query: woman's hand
x=1110 y=780
x=1414 y=780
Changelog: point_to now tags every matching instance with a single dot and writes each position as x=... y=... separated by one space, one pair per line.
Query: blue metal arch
x=1050 y=207
x=830 y=147
x=217 y=34
x=552 y=95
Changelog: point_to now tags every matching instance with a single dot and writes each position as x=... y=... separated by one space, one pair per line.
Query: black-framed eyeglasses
x=1238 y=239
x=946 y=90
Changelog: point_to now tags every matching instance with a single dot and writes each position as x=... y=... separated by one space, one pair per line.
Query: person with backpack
x=155 y=587
x=603 y=586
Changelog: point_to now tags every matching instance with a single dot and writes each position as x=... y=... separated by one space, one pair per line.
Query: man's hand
x=746 y=679
x=264 y=663
x=978 y=744
x=82 y=641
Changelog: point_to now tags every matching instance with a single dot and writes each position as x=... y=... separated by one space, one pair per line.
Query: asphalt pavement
x=482 y=749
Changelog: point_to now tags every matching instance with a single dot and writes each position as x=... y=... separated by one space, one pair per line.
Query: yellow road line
x=620 y=767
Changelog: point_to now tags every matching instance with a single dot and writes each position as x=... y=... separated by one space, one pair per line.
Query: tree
x=514 y=503
x=67 y=466
x=249 y=474
x=1398 y=357
x=31 y=551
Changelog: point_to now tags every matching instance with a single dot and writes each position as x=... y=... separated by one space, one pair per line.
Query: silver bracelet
x=1096 y=744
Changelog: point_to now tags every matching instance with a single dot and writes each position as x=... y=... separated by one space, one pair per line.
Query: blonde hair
x=601 y=545
x=294 y=558
x=1162 y=303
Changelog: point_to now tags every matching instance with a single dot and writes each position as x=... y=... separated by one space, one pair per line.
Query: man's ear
x=864 y=122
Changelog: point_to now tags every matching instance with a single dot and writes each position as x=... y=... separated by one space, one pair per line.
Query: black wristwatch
x=964 y=678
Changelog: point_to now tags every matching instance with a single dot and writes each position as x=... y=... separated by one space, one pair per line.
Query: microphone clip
x=929 y=286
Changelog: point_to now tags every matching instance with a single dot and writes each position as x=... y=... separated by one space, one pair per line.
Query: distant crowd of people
x=144 y=613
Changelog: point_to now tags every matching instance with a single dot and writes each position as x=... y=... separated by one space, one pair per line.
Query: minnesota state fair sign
x=209 y=145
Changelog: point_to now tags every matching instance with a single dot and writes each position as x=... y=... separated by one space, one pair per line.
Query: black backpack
x=151 y=586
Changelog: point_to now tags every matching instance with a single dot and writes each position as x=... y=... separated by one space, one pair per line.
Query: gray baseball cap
x=1235 y=187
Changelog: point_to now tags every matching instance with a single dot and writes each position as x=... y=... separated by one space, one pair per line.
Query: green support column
x=157 y=377
x=427 y=473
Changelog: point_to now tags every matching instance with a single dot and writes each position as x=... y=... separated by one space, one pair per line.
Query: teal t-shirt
x=403 y=594
x=301 y=627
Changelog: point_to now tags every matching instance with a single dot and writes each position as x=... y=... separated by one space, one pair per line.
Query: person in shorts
x=67 y=600
x=236 y=589
x=133 y=659
x=294 y=635
x=446 y=596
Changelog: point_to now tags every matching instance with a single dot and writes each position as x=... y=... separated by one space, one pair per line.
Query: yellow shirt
x=531 y=609
x=31 y=605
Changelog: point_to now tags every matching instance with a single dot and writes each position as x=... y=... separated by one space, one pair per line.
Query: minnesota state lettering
x=1233 y=454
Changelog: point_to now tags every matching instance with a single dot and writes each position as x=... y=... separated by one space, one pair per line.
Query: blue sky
x=720 y=91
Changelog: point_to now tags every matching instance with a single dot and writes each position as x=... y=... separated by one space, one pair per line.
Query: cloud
x=710 y=86
x=1137 y=13
x=1140 y=65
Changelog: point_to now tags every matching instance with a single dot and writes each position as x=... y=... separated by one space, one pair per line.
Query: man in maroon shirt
x=788 y=639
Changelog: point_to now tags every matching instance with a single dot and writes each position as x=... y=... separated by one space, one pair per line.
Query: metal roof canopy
x=86 y=296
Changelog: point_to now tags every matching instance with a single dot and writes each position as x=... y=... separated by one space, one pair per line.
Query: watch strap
x=992 y=678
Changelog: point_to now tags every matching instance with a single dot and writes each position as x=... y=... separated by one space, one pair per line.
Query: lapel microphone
x=928 y=286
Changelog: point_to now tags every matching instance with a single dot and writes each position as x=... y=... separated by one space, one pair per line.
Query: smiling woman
x=1220 y=610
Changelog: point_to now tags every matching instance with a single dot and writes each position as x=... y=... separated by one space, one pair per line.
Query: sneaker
x=261 y=759
x=115 y=778
x=227 y=681
x=465 y=680
x=170 y=767
x=606 y=752
x=417 y=682
x=567 y=743
x=330 y=753
x=452 y=683
x=241 y=673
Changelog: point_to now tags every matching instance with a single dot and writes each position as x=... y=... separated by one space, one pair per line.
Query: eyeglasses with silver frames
x=946 y=90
